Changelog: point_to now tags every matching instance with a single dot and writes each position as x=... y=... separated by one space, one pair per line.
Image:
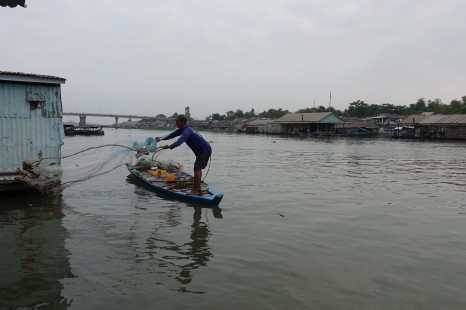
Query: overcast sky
x=154 y=57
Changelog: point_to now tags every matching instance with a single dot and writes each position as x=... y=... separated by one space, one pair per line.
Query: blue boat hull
x=210 y=198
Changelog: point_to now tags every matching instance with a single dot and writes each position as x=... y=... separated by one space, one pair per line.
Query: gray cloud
x=151 y=57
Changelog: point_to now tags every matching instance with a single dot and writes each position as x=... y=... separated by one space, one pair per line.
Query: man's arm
x=171 y=135
x=184 y=136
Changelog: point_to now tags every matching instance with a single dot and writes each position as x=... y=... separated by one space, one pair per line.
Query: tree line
x=358 y=109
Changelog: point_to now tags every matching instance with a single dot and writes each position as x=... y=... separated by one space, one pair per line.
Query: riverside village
x=425 y=125
x=33 y=128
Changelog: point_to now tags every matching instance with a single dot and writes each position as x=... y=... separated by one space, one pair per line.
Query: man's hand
x=166 y=147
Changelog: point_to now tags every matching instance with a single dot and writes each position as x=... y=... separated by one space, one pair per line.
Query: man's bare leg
x=197 y=183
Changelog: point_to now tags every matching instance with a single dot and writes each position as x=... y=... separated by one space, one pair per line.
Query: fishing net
x=150 y=144
x=92 y=162
x=74 y=168
x=146 y=162
x=169 y=165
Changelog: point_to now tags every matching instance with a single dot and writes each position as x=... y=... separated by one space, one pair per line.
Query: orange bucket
x=170 y=177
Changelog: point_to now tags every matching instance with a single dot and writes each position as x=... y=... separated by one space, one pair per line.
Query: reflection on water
x=34 y=259
x=334 y=224
x=179 y=260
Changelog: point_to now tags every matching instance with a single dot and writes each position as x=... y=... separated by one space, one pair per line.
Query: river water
x=304 y=224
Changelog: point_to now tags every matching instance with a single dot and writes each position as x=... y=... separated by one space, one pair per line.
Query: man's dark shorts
x=202 y=159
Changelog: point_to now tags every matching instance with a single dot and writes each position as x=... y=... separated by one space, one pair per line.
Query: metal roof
x=444 y=119
x=308 y=118
x=13 y=3
x=30 y=77
x=414 y=118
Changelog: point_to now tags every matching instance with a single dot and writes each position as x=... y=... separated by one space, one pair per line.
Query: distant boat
x=83 y=130
x=69 y=130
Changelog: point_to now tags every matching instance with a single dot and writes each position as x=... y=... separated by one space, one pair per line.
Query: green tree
x=435 y=106
x=388 y=108
x=239 y=114
x=250 y=114
x=230 y=115
x=458 y=106
x=357 y=108
x=372 y=110
x=418 y=107
x=217 y=117
x=307 y=110
x=273 y=113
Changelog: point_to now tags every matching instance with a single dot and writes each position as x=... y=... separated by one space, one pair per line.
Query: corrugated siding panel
x=26 y=133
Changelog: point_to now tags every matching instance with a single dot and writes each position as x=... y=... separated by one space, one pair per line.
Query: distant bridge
x=82 y=117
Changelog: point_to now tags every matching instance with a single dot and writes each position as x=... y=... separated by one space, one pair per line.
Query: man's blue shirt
x=192 y=138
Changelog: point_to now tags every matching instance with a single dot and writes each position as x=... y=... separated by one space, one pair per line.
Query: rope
x=159 y=151
x=91 y=176
x=208 y=168
x=97 y=147
x=85 y=150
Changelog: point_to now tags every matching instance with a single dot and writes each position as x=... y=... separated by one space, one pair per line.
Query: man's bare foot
x=192 y=192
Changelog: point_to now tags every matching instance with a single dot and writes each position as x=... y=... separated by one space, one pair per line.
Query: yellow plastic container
x=170 y=177
x=158 y=172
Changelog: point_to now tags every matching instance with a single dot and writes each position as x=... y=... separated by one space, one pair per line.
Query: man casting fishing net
x=198 y=145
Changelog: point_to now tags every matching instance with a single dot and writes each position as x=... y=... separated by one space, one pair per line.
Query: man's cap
x=182 y=117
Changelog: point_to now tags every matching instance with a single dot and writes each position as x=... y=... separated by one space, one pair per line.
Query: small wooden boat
x=178 y=187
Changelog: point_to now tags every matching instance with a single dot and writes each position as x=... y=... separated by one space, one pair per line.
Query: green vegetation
x=358 y=109
x=230 y=115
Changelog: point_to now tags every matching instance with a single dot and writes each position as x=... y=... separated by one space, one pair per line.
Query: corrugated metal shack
x=30 y=122
x=431 y=126
x=305 y=123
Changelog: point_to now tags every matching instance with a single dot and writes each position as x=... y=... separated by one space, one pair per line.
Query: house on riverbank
x=296 y=124
x=31 y=125
x=256 y=126
x=429 y=126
